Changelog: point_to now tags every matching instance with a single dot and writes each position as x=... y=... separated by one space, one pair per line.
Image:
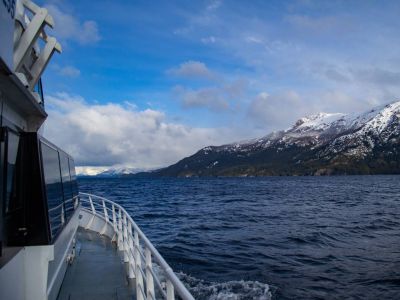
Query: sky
x=143 y=84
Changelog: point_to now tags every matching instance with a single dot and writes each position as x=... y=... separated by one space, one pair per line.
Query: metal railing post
x=131 y=268
x=120 y=238
x=106 y=218
x=125 y=235
x=149 y=275
x=170 y=291
x=92 y=206
x=89 y=224
x=105 y=212
x=138 y=269
x=114 y=216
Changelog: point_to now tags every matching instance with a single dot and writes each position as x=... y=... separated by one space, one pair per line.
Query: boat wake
x=230 y=290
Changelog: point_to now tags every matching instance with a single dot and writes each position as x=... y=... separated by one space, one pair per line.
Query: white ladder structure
x=31 y=56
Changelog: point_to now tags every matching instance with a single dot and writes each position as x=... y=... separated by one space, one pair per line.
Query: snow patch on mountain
x=107 y=171
x=354 y=134
x=115 y=171
x=317 y=122
x=320 y=144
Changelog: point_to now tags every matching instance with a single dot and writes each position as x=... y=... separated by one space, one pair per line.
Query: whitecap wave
x=230 y=290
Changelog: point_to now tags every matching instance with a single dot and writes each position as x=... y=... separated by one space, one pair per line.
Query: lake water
x=289 y=237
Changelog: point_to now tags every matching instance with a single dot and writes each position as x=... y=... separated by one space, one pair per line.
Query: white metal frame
x=153 y=276
x=35 y=29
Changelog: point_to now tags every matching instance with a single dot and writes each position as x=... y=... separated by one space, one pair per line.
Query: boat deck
x=97 y=272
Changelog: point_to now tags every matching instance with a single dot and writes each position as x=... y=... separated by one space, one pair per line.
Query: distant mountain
x=321 y=144
x=118 y=171
x=112 y=172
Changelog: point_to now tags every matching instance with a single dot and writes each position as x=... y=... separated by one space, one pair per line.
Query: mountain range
x=109 y=172
x=320 y=144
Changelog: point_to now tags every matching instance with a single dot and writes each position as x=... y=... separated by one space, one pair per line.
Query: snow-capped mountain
x=107 y=171
x=323 y=127
x=117 y=171
x=324 y=143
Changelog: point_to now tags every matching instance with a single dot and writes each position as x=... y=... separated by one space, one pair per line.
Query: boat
x=55 y=242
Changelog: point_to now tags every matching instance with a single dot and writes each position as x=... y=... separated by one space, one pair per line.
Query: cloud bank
x=119 y=134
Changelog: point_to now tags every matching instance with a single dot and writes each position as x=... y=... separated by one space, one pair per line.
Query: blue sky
x=170 y=77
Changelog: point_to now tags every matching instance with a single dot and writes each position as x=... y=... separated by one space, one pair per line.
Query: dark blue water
x=303 y=237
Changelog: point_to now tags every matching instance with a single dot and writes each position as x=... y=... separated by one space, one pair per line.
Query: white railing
x=153 y=276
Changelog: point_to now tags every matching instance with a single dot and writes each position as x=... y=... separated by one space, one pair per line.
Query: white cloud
x=276 y=112
x=211 y=98
x=336 y=75
x=214 y=5
x=319 y=25
x=192 y=69
x=254 y=39
x=68 y=27
x=358 y=57
x=70 y=71
x=378 y=76
x=280 y=110
x=116 y=134
x=208 y=40
x=90 y=170
x=218 y=98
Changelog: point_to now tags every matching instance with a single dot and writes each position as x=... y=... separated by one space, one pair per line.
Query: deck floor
x=97 y=271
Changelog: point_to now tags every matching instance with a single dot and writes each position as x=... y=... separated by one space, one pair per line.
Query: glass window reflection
x=52 y=175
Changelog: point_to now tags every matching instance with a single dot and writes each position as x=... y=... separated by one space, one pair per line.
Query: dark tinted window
x=74 y=182
x=11 y=205
x=52 y=176
x=12 y=202
x=67 y=187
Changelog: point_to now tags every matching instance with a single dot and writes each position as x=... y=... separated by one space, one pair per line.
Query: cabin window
x=54 y=187
x=38 y=189
x=74 y=182
x=67 y=188
x=10 y=204
x=12 y=201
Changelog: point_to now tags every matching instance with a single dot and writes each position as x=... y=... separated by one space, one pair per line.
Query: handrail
x=129 y=242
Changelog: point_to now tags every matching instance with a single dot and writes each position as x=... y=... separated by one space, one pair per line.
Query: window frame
x=68 y=157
